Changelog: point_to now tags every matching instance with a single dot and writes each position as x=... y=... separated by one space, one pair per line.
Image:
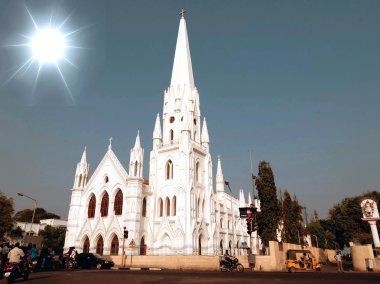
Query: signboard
x=246 y=212
x=244 y=245
x=132 y=244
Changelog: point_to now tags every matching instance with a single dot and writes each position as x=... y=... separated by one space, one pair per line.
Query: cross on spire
x=182 y=13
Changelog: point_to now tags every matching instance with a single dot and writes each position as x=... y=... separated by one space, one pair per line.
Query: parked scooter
x=14 y=271
x=230 y=263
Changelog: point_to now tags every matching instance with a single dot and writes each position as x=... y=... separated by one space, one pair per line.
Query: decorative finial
x=110 y=145
x=182 y=13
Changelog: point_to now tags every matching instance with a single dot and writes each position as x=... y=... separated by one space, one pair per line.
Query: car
x=89 y=260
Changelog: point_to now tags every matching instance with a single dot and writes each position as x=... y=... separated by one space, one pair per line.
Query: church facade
x=177 y=210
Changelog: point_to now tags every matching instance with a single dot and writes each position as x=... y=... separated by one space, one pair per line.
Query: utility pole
x=125 y=236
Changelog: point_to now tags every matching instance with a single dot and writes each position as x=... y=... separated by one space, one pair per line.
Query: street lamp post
x=34 y=210
x=226 y=182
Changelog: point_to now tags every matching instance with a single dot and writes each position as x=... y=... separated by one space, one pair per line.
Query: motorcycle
x=71 y=263
x=13 y=271
x=33 y=264
x=230 y=264
x=50 y=263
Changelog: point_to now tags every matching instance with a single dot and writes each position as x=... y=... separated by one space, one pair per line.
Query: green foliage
x=54 y=237
x=27 y=214
x=16 y=233
x=269 y=216
x=6 y=212
x=320 y=232
x=292 y=231
x=346 y=223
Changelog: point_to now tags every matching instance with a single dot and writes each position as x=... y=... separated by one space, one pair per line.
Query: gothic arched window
x=80 y=181
x=167 y=203
x=161 y=207
x=171 y=135
x=104 y=205
x=99 y=246
x=86 y=245
x=169 y=170
x=174 y=205
x=91 y=207
x=143 y=213
x=118 y=205
x=115 y=245
x=197 y=174
x=136 y=168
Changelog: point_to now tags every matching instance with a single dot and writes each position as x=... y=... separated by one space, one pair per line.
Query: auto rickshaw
x=297 y=259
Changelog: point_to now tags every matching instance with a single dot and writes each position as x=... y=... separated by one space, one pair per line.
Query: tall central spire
x=182 y=73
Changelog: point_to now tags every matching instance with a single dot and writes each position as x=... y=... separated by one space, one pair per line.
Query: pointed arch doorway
x=142 y=246
x=200 y=245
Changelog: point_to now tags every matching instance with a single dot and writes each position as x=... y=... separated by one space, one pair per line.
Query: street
x=198 y=277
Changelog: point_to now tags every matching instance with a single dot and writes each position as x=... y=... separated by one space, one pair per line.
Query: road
x=197 y=277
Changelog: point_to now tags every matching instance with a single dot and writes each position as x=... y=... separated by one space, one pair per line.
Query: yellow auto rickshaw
x=297 y=259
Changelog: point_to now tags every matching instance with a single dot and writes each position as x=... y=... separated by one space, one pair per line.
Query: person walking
x=338 y=258
x=4 y=255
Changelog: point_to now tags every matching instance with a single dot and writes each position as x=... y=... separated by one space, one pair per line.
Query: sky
x=296 y=82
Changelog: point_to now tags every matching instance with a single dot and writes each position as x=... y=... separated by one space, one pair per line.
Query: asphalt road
x=196 y=277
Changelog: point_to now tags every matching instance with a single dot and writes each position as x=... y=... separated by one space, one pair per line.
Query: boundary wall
x=274 y=261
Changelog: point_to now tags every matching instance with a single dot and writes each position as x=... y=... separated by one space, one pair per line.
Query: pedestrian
x=33 y=252
x=4 y=255
x=338 y=258
x=43 y=255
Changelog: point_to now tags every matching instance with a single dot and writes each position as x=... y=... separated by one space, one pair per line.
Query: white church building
x=177 y=210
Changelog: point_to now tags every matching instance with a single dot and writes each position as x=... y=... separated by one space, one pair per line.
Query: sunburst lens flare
x=48 y=46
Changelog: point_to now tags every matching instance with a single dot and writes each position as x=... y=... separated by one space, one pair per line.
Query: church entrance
x=86 y=245
x=221 y=247
x=200 y=245
x=142 y=247
x=99 y=246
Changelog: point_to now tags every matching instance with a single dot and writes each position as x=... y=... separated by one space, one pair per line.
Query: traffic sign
x=132 y=244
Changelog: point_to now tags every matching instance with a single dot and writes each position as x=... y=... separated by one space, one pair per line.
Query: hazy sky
x=295 y=81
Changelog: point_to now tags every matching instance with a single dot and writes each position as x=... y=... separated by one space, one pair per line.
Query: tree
x=40 y=213
x=269 y=217
x=6 y=209
x=292 y=231
x=16 y=233
x=54 y=237
x=321 y=232
x=346 y=223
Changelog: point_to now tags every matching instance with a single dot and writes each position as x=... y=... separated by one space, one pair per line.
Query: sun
x=48 y=46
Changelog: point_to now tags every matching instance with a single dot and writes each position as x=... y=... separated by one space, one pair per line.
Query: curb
x=137 y=268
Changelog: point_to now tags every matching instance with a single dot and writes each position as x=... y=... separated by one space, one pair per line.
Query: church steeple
x=219 y=177
x=204 y=137
x=136 y=158
x=182 y=73
x=157 y=134
x=81 y=174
